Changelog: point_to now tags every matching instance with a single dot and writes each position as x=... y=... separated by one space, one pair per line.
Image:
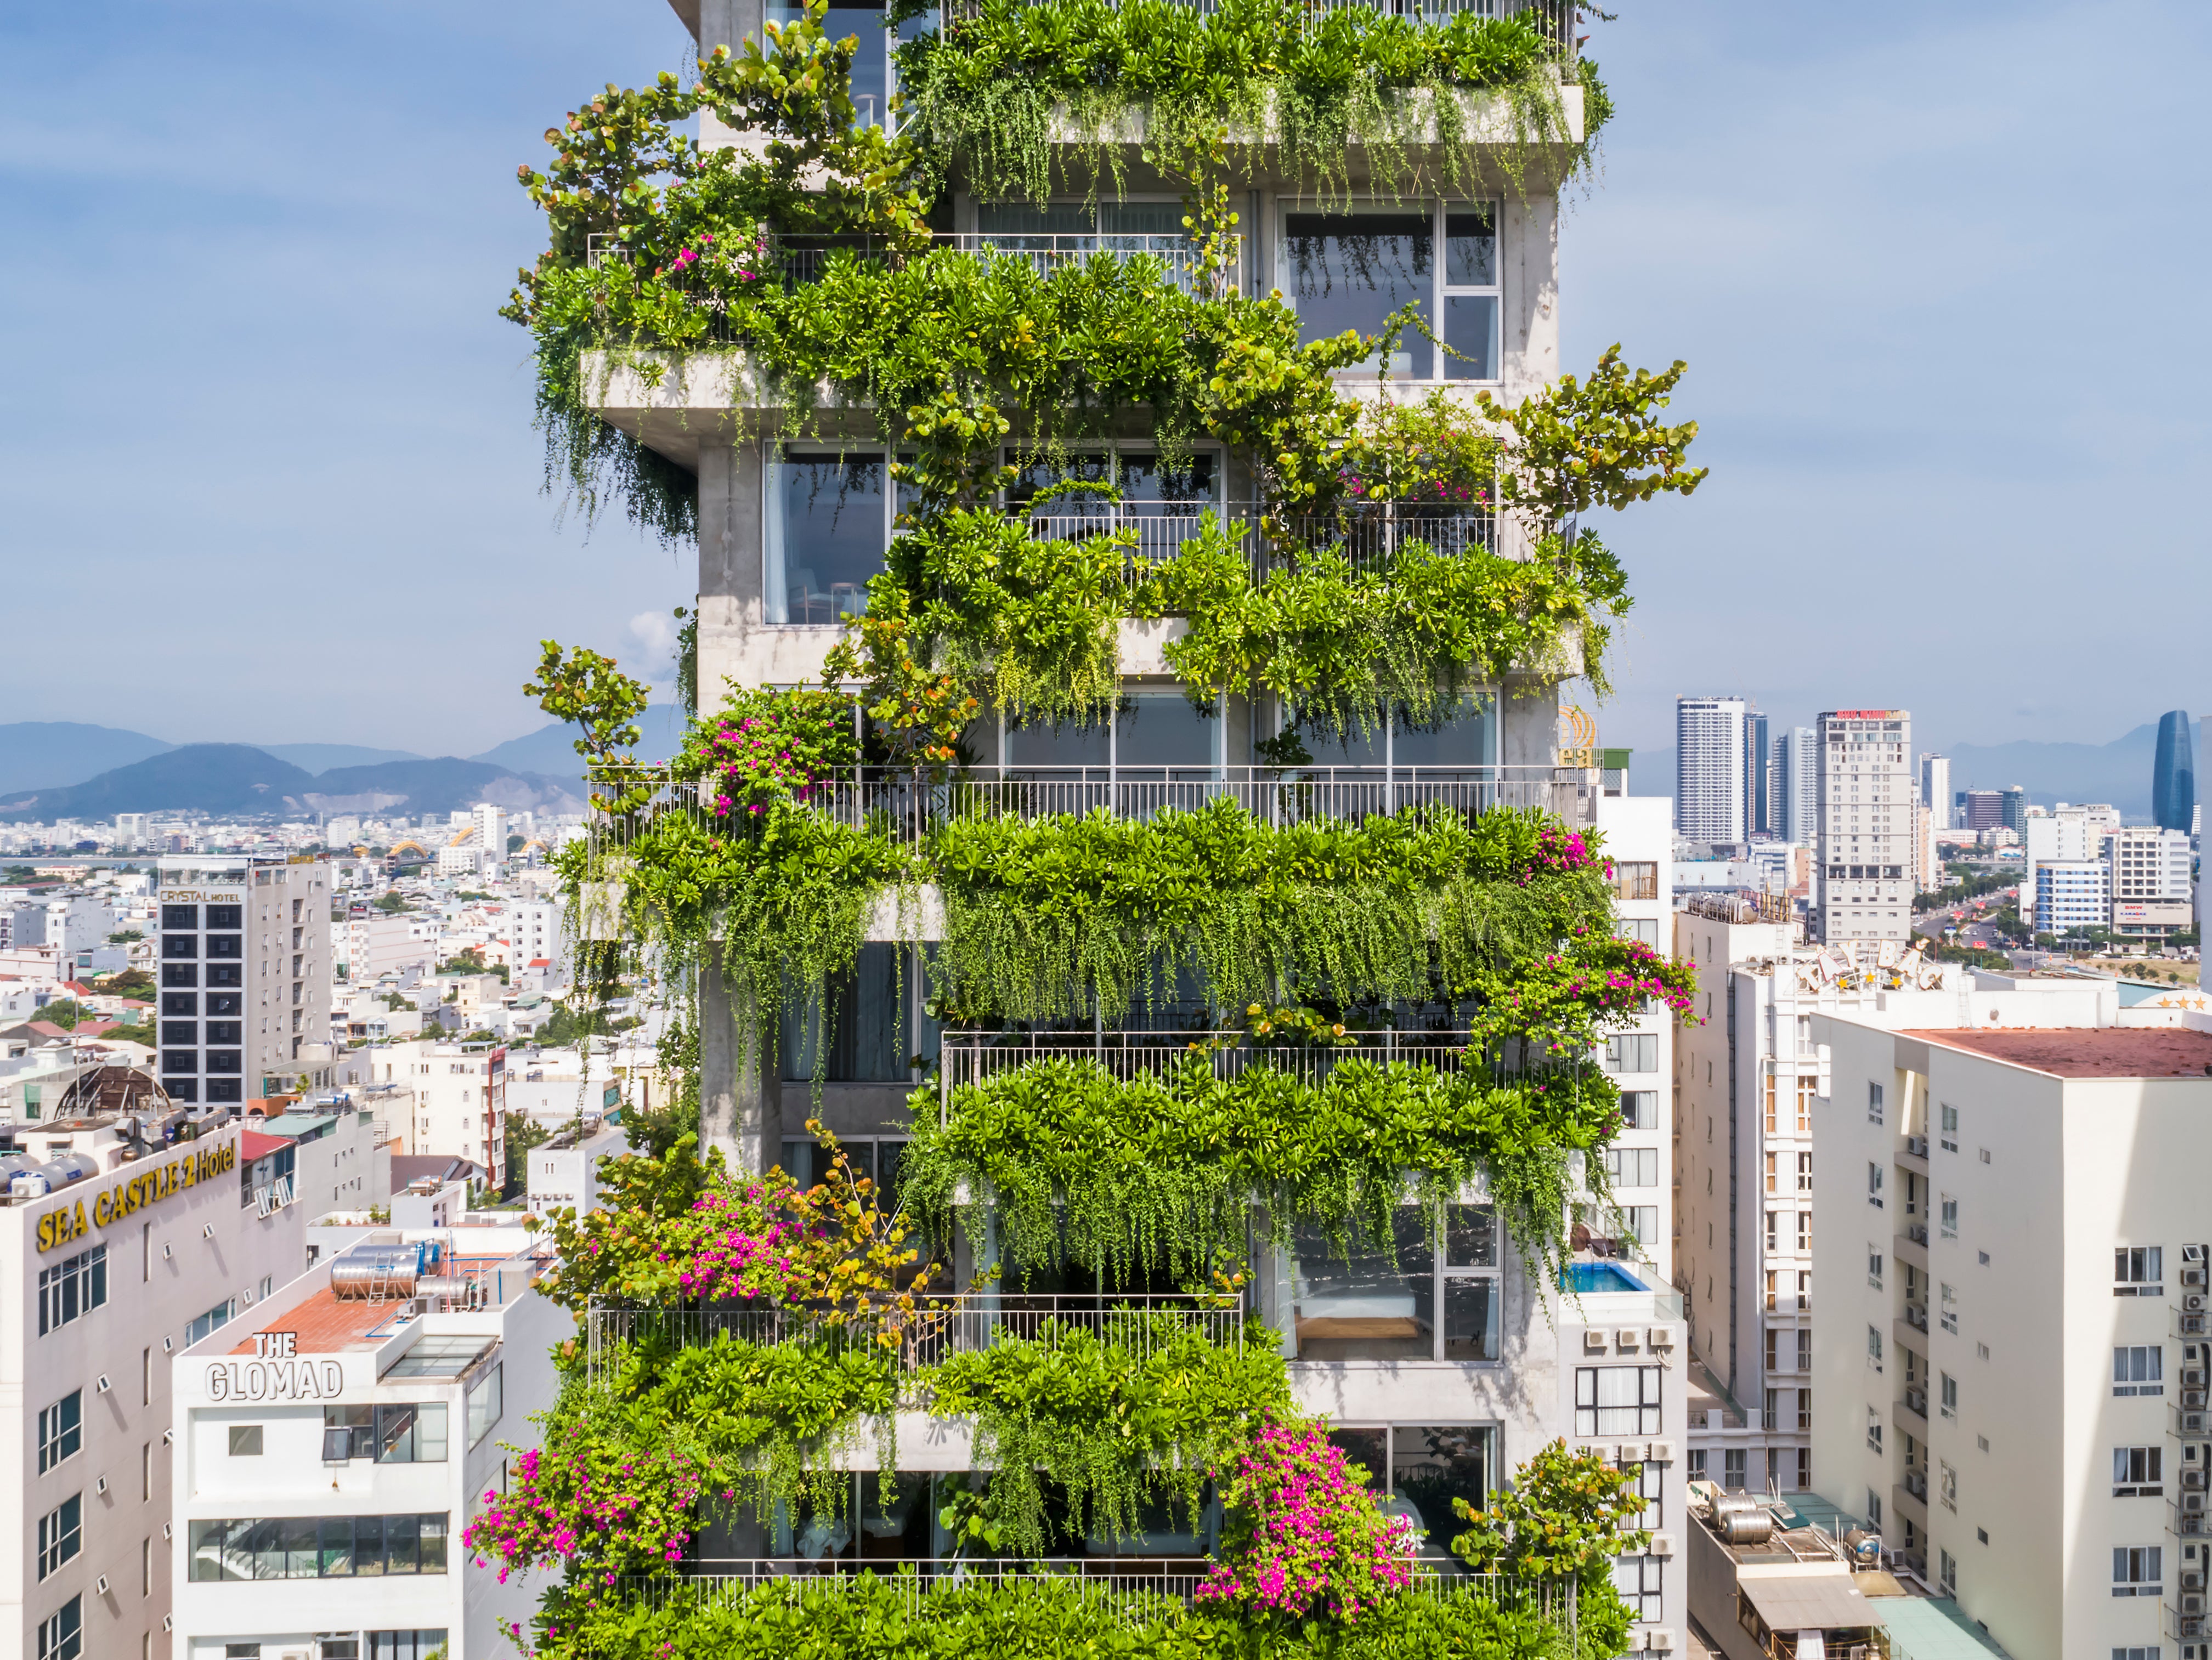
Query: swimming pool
x=1582 y=1277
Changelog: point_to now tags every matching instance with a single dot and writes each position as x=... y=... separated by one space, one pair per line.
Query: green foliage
x=1052 y=919
x=522 y=1133
x=1163 y=1172
x=1145 y=1410
x=993 y=100
x=871 y=1619
x=390 y=904
x=1566 y=1515
x=64 y=1012
x=1595 y=442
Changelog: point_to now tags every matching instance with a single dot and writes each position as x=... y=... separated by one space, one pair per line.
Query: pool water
x=1581 y=1278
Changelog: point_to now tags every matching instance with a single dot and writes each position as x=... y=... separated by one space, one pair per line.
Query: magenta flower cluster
x=557 y=1509
x=754 y=763
x=1306 y=1537
x=741 y=253
x=1561 y=852
x=735 y=1253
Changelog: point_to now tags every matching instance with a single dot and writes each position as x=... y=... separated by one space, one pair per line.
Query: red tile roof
x=253 y=1144
x=2088 y=1051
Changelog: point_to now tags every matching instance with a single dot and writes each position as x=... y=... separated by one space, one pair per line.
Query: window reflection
x=1362 y=1305
x=828 y=526
x=1352 y=270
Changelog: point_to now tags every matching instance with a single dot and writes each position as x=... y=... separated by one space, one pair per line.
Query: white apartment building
x=1797 y=785
x=459 y=1105
x=1864 y=850
x=2068 y=832
x=534 y=933
x=1745 y=1084
x=376 y=944
x=2012 y=1351
x=564 y=1171
x=1936 y=788
x=330 y=1454
x=1643 y=1055
x=1713 y=748
x=138 y=1249
x=2150 y=873
x=246 y=976
x=2072 y=893
x=132 y=830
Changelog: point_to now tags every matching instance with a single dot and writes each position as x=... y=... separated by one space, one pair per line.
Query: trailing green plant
x=997 y=97
x=1162 y=1173
x=1064 y=917
x=1145 y=1409
x=883 y=1618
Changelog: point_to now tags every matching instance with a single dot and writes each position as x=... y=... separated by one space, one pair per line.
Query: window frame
x=72 y=1289
x=66 y=1439
x=1648 y=1408
x=1435 y=305
x=61 y=1535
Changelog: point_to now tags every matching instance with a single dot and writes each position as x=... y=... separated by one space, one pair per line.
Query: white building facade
x=246 y=976
x=1864 y=850
x=330 y=1454
x=153 y=1245
x=1712 y=796
x=2011 y=1351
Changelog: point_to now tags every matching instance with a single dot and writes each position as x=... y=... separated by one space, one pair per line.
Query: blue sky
x=267 y=473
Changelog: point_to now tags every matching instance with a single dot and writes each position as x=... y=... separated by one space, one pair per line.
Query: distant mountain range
x=63 y=770
x=2117 y=774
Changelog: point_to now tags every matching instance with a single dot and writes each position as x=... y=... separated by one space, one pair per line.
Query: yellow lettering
x=82 y=1228
x=102 y=1210
x=46 y=1232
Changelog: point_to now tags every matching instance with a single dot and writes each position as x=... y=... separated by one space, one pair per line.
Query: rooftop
x=325 y=1323
x=2088 y=1051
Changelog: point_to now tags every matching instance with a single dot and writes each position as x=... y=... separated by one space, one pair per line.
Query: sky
x=268 y=473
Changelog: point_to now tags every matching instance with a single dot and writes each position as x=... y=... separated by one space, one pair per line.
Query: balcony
x=911 y=805
x=969 y=1057
x=1366 y=535
x=1916 y=1483
x=1915 y=1402
x=1916 y=1316
x=960 y=1323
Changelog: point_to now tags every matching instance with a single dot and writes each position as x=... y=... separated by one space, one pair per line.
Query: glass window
x=246 y=1440
x=1042 y=746
x=1471 y=293
x=1365 y=1306
x=61 y=1534
x=1639 y=1110
x=1162 y=732
x=405 y=1644
x=72 y=1289
x=485 y=1404
x=1430 y=1465
x=61 y=1634
x=61 y=1430
x=2139 y=1369
x=2137 y=1571
x=1370 y=1448
x=1352 y=269
x=317 y=1547
x=1612 y=1401
x=829 y=524
x=1466 y=736
x=202 y=1325
x=1640 y=1579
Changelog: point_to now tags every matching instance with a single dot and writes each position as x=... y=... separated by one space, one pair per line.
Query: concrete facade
x=1865 y=847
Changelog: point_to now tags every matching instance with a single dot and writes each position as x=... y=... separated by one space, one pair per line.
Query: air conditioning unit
x=2192 y=1377
x=1659 y=1641
x=2193 y=1502
x=2192 y=1325
x=1631 y=1452
x=2193 y=1480
x=2192 y=1603
x=1663 y=1544
x=2190 y=1627
x=1628 y=1340
x=2193 y=1276
x=2192 y=1579
x=1662 y=1338
x=1662 y=1452
x=2193 y=1302
x=2193 y=1400
x=2192 y=1423
x=1593 y=1342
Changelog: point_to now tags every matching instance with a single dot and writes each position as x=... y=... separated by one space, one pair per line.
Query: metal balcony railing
x=1555 y=19
x=1132 y=1588
x=1366 y=535
x=958 y=1322
x=911 y=805
x=970 y=1057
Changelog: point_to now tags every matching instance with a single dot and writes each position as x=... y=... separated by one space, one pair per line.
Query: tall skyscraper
x=1713 y=798
x=1936 y=788
x=1758 y=811
x=1865 y=845
x=2173 y=774
x=1797 y=785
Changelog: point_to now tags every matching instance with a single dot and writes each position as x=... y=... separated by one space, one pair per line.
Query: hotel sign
x=274 y=1380
x=73 y=1221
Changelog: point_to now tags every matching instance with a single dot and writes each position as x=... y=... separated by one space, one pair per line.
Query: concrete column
x=735 y=1111
x=1529 y=233
x=730 y=611
x=726 y=23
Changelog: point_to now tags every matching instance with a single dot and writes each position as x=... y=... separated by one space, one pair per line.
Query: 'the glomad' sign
x=274 y=1380
x=60 y=1227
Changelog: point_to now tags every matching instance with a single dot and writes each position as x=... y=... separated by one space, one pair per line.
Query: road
x=1966 y=918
